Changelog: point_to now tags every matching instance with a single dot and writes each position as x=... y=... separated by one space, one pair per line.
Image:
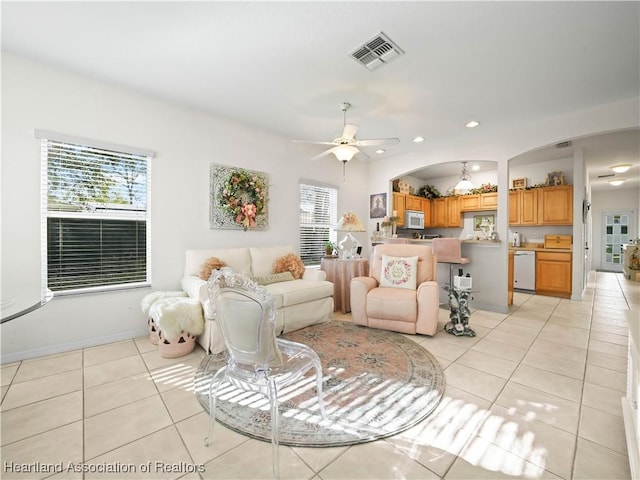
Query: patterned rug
x=376 y=384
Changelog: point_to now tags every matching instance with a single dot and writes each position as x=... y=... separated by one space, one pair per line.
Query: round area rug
x=376 y=383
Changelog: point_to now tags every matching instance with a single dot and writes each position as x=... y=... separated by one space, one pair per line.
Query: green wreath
x=243 y=197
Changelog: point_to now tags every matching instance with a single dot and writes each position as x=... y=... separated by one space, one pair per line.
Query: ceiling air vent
x=566 y=144
x=376 y=52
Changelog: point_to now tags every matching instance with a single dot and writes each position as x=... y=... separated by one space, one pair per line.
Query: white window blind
x=96 y=216
x=318 y=218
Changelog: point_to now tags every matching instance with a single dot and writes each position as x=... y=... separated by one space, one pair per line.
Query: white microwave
x=414 y=219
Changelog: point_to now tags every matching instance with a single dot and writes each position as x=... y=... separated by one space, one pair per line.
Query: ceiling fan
x=345 y=147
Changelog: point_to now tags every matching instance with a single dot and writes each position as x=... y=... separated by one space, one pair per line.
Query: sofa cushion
x=262 y=258
x=299 y=291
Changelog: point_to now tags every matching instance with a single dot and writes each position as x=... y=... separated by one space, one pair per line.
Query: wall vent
x=566 y=144
x=376 y=52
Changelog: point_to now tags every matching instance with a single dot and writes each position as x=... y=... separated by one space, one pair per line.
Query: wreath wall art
x=238 y=198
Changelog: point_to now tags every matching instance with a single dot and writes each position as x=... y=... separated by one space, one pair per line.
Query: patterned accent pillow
x=399 y=272
x=273 y=278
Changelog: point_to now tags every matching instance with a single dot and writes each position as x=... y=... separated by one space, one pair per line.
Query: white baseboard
x=67 y=347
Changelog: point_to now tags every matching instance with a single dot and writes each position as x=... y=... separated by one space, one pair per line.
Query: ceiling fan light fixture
x=621 y=168
x=464 y=184
x=617 y=181
x=345 y=153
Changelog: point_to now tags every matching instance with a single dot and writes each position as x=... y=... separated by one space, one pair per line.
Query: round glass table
x=17 y=300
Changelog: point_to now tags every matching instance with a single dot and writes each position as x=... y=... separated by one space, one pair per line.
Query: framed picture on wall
x=518 y=183
x=378 y=205
x=478 y=220
x=555 y=179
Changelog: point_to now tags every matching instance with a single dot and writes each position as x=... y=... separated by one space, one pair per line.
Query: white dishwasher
x=524 y=270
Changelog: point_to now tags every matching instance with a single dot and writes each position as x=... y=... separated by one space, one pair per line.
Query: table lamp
x=348 y=246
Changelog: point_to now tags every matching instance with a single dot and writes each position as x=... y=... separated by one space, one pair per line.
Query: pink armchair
x=404 y=310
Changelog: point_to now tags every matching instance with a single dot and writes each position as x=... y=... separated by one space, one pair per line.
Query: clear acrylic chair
x=257 y=360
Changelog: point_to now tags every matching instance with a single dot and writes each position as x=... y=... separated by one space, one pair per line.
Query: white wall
x=611 y=200
x=186 y=142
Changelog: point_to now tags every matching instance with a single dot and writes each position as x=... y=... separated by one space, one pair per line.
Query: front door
x=617 y=231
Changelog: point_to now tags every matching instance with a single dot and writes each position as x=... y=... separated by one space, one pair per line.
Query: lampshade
x=349 y=222
x=344 y=153
x=464 y=185
x=617 y=181
x=349 y=247
x=621 y=168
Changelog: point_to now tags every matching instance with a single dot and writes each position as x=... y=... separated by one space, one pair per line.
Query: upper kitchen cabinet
x=399 y=206
x=541 y=206
x=555 y=205
x=478 y=202
x=523 y=207
x=445 y=212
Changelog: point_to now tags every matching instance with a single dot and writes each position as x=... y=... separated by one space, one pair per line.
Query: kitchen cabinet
x=553 y=274
x=478 y=202
x=398 y=205
x=426 y=208
x=541 y=206
x=523 y=207
x=454 y=216
x=445 y=212
x=438 y=212
x=555 y=205
x=489 y=201
x=469 y=203
x=413 y=202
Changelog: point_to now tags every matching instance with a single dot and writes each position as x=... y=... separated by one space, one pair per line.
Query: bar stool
x=449 y=250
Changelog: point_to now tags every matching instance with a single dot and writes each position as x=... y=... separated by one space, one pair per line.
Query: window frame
x=99 y=213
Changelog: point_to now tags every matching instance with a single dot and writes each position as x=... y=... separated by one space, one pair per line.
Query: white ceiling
x=285 y=66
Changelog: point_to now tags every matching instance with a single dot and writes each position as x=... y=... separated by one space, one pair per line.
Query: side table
x=340 y=272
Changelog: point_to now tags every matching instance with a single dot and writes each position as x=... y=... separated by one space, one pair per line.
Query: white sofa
x=299 y=303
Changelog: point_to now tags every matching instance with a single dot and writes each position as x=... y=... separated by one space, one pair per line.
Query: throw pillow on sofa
x=211 y=264
x=289 y=263
x=399 y=272
x=273 y=278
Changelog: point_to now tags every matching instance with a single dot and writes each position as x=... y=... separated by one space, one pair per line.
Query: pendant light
x=464 y=185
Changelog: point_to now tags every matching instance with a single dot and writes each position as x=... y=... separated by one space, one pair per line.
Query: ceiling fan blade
x=314 y=143
x=377 y=141
x=323 y=154
x=349 y=132
x=361 y=156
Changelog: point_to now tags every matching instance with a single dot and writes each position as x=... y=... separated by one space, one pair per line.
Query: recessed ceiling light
x=617 y=181
x=623 y=167
x=475 y=167
x=380 y=150
x=418 y=139
x=472 y=124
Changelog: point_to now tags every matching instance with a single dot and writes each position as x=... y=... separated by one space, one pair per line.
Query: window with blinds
x=318 y=218
x=95 y=204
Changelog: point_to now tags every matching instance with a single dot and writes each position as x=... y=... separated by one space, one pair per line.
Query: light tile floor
x=536 y=394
